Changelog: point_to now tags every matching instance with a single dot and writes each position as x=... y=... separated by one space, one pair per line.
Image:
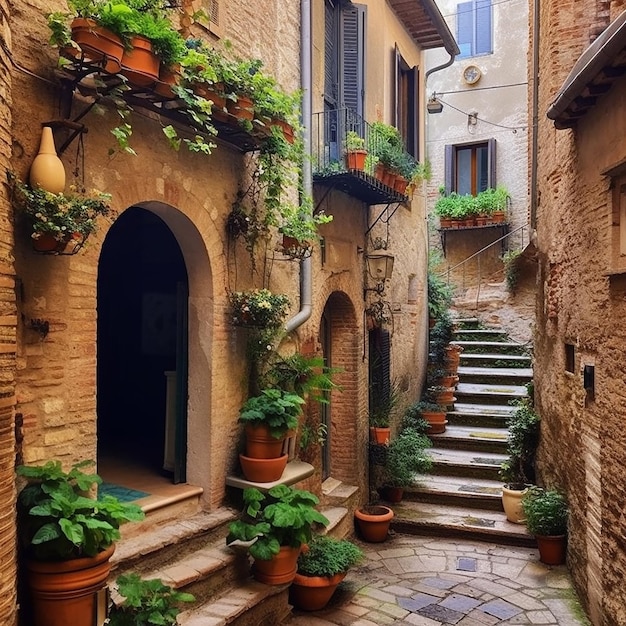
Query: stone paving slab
x=429 y=581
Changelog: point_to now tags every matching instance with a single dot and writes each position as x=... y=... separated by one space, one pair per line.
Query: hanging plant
x=58 y=216
x=258 y=308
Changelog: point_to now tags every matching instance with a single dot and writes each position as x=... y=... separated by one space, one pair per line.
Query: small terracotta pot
x=312 y=593
x=436 y=422
x=392 y=494
x=278 y=570
x=98 y=45
x=140 y=64
x=552 y=550
x=373 y=522
x=355 y=159
x=243 y=107
x=263 y=470
x=380 y=435
x=287 y=129
x=401 y=184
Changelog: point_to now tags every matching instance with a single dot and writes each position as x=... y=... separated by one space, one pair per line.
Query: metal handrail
x=480 y=252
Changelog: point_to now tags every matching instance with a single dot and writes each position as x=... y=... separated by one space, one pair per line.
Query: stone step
x=477 y=419
x=458 y=522
x=493 y=347
x=467 y=322
x=475 y=439
x=489 y=393
x=481 y=334
x=463 y=463
x=477 y=493
x=494 y=360
x=498 y=375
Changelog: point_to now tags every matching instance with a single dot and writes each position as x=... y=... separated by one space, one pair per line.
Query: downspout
x=535 y=105
x=432 y=70
x=306 y=276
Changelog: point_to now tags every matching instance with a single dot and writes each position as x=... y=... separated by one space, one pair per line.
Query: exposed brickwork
x=583 y=440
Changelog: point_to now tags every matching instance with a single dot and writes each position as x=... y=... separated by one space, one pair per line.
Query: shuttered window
x=380 y=369
x=470 y=168
x=213 y=10
x=474 y=29
x=406 y=99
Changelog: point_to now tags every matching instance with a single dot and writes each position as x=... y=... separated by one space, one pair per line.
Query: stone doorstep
x=444 y=520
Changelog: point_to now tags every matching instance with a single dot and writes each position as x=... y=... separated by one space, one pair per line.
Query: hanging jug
x=47 y=170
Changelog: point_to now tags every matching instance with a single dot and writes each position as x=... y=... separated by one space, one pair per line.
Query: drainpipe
x=306 y=275
x=448 y=63
x=535 y=105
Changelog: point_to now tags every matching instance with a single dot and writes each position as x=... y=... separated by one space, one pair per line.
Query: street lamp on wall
x=433 y=105
x=379 y=269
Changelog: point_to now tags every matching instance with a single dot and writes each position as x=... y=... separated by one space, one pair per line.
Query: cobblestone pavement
x=428 y=581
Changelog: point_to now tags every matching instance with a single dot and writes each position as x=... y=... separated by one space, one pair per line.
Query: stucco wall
x=499 y=100
x=581 y=303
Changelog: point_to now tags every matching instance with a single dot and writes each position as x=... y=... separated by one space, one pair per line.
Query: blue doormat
x=123 y=494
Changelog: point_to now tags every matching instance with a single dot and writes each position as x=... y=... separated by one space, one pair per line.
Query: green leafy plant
x=439 y=291
x=354 y=141
x=440 y=337
x=522 y=442
x=406 y=457
x=384 y=404
x=413 y=416
x=511 y=260
x=258 y=307
x=327 y=556
x=276 y=408
x=284 y=516
x=58 y=214
x=546 y=512
x=146 y=602
x=56 y=521
x=313 y=435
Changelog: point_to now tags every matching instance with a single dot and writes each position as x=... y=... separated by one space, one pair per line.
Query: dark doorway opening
x=142 y=299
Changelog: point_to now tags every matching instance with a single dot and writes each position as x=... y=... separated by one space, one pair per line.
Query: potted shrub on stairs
x=321 y=567
x=546 y=514
x=67 y=540
x=273 y=529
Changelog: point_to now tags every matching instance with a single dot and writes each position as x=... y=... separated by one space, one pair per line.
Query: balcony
x=330 y=133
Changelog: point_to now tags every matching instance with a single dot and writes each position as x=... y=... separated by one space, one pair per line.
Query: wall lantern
x=433 y=105
x=379 y=268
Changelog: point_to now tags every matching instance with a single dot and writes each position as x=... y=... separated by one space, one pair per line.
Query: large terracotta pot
x=139 y=64
x=512 y=502
x=260 y=444
x=263 y=470
x=373 y=522
x=64 y=593
x=312 y=593
x=280 y=569
x=99 y=45
x=552 y=550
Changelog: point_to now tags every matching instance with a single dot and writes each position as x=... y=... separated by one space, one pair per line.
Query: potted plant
x=354 y=147
x=434 y=415
x=268 y=418
x=273 y=529
x=373 y=522
x=67 y=539
x=546 y=514
x=146 y=602
x=321 y=567
x=518 y=471
x=439 y=292
x=57 y=218
x=299 y=229
x=258 y=307
x=405 y=457
x=381 y=409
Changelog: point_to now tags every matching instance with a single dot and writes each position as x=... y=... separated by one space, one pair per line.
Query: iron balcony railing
x=329 y=134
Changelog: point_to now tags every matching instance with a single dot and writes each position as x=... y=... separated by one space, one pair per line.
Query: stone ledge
x=294 y=473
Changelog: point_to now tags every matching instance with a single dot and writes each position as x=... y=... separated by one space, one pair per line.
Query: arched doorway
x=142 y=346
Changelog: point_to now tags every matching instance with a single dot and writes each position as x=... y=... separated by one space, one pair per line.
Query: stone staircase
x=189 y=553
x=461 y=496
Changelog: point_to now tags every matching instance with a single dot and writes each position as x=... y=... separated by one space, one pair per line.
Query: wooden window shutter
x=450 y=174
x=353 y=57
x=412 y=140
x=330 y=55
x=483 y=27
x=397 y=69
x=465 y=27
x=491 y=157
x=215 y=17
x=379 y=368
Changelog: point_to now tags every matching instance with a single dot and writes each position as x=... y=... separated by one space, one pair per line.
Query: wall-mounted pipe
x=306 y=275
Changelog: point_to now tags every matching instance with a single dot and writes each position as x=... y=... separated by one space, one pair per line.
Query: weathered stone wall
x=8 y=321
x=581 y=303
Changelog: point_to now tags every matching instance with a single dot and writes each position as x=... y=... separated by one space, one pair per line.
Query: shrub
x=327 y=556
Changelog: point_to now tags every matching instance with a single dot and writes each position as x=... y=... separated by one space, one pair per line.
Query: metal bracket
x=380 y=217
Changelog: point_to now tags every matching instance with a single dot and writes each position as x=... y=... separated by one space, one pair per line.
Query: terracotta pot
x=312 y=593
x=260 y=444
x=287 y=129
x=168 y=77
x=140 y=65
x=355 y=159
x=47 y=243
x=449 y=381
x=389 y=178
x=380 y=172
x=401 y=184
x=279 y=570
x=243 y=108
x=445 y=397
x=512 y=502
x=373 y=522
x=47 y=170
x=98 y=45
x=552 y=550
x=392 y=494
x=214 y=93
x=65 y=592
x=445 y=222
x=263 y=470
x=437 y=422
x=498 y=217
x=379 y=434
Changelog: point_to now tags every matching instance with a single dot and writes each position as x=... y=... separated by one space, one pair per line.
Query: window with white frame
x=474 y=28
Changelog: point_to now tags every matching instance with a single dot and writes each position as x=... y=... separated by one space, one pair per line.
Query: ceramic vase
x=47 y=170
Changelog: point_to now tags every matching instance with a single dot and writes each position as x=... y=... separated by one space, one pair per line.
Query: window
x=470 y=168
x=212 y=9
x=406 y=98
x=474 y=28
